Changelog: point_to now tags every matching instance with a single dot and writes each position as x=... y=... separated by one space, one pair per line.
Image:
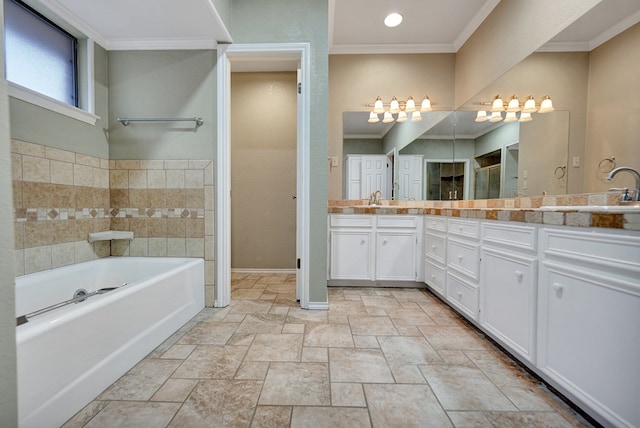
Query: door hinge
x=299 y=88
x=298 y=263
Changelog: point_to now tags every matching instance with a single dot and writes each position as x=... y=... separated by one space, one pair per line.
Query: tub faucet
x=636 y=174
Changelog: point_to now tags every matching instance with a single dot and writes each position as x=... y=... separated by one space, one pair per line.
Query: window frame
x=84 y=110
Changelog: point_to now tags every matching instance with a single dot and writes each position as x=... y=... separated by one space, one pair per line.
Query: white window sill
x=40 y=100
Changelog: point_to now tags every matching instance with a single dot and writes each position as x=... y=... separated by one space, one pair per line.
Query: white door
x=374 y=175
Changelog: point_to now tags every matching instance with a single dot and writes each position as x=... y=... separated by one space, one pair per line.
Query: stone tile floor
x=381 y=357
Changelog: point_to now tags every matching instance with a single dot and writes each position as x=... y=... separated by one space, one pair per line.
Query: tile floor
x=381 y=357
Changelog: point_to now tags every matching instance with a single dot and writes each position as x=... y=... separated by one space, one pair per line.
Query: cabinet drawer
x=462 y=295
x=434 y=276
x=397 y=221
x=618 y=252
x=466 y=228
x=435 y=223
x=464 y=257
x=435 y=247
x=522 y=237
x=351 y=221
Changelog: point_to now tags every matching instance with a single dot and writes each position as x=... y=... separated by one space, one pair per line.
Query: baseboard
x=264 y=271
x=319 y=306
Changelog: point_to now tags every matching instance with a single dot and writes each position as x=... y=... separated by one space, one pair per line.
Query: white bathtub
x=68 y=356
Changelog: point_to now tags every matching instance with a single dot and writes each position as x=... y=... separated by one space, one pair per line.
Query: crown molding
x=391 y=48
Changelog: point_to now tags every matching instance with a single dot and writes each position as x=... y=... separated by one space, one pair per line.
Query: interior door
x=374 y=175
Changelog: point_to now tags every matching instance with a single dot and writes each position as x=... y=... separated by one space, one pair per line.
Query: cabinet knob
x=459 y=293
x=362 y=242
x=433 y=247
x=433 y=277
x=384 y=242
x=519 y=275
x=460 y=258
x=559 y=289
x=461 y=228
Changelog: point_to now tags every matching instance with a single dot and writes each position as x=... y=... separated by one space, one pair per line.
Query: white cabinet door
x=374 y=175
x=588 y=339
x=396 y=255
x=508 y=299
x=351 y=254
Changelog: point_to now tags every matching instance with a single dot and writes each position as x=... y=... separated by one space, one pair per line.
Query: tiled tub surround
x=62 y=196
x=525 y=209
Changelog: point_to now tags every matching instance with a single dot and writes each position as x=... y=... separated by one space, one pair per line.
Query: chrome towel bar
x=125 y=121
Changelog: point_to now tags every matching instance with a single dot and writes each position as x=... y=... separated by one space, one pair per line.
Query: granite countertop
x=542 y=210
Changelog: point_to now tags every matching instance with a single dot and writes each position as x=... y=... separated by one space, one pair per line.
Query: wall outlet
x=576 y=162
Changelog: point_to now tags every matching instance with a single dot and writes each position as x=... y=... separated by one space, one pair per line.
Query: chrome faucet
x=636 y=174
x=373 y=200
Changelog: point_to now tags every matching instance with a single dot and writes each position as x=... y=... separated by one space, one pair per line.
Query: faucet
x=625 y=196
x=373 y=200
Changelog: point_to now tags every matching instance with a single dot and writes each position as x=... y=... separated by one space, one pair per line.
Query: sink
x=593 y=208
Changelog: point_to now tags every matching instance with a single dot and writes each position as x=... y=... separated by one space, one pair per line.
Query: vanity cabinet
x=435 y=253
x=351 y=247
x=588 y=319
x=374 y=247
x=463 y=265
x=509 y=279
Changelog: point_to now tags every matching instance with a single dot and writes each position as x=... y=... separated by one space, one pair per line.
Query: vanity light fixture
x=497 y=104
x=393 y=19
x=512 y=107
x=529 y=105
x=546 y=105
x=510 y=117
x=481 y=116
x=525 y=117
x=401 y=109
x=496 y=116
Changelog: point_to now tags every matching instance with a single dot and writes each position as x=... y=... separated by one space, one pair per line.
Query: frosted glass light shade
x=510 y=117
x=529 y=105
x=525 y=117
x=402 y=116
x=514 y=104
x=378 y=106
x=387 y=117
x=426 y=104
x=495 y=117
x=497 y=104
x=373 y=118
x=481 y=116
x=410 y=106
x=393 y=20
x=395 y=106
x=416 y=116
x=546 y=105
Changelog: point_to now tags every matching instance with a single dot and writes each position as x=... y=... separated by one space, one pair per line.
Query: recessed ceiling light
x=393 y=19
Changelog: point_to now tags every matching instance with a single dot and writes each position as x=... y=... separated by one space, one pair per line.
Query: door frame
x=300 y=52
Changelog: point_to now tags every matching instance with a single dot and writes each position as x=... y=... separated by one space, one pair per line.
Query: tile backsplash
x=62 y=196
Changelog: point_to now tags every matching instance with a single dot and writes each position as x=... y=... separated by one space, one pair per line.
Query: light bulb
x=514 y=104
x=410 y=106
x=378 y=106
x=495 y=117
x=416 y=116
x=426 y=104
x=546 y=105
x=395 y=106
x=373 y=118
x=529 y=105
x=387 y=117
x=525 y=117
x=402 y=116
x=393 y=19
x=497 y=104
x=481 y=116
x=510 y=117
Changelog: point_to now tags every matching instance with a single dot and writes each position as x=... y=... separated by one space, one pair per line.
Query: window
x=39 y=55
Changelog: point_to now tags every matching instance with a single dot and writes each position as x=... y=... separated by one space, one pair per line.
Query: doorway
x=262 y=57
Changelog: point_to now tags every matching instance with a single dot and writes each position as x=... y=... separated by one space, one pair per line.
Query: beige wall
x=512 y=31
x=263 y=170
x=614 y=110
x=356 y=80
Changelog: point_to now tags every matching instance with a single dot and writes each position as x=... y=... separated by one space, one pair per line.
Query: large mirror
x=455 y=157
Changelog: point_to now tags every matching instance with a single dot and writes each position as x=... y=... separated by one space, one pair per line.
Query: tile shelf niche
x=109 y=235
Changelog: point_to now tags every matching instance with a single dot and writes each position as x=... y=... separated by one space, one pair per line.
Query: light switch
x=576 y=161
x=334 y=161
x=525 y=185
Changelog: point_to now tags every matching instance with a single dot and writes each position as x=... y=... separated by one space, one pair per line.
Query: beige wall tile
x=139 y=227
x=104 y=164
x=199 y=163
x=120 y=247
x=176 y=228
x=18 y=262
x=176 y=247
x=194 y=198
x=157 y=198
x=82 y=175
x=36 y=195
x=127 y=164
x=209 y=248
x=17 y=194
x=138 y=198
x=157 y=227
x=176 y=164
x=175 y=198
x=112 y=164
x=61 y=172
x=83 y=251
x=156 y=179
x=16 y=166
x=209 y=272
x=102 y=248
x=59 y=155
x=63 y=231
x=100 y=178
x=18 y=235
x=25 y=148
x=62 y=254
x=137 y=179
x=38 y=233
x=83 y=226
x=193 y=179
x=37 y=259
x=119 y=224
x=208 y=175
x=151 y=164
x=139 y=247
x=118 y=179
x=36 y=169
x=63 y=196
x=84 y=197
x=87 y=160
x=209 y=295
x=195 y=247
x=209 y=223
x=101 y=198
x=194 y=228
x=158 y=247
x=175 y=179
x=209 y=198
x=119 y=198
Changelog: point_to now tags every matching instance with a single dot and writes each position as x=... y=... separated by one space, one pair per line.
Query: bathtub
x=68 y=356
